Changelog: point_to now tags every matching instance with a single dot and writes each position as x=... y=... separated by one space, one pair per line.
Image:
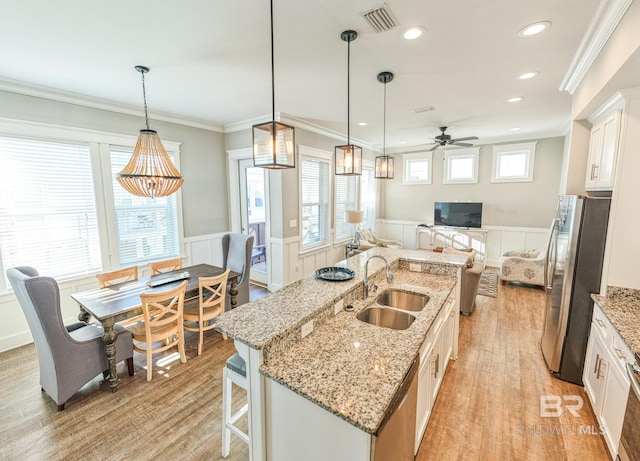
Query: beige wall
x=529 y=204
x=202 y=157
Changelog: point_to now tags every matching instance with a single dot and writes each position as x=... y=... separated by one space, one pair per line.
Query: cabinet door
x=605 y=170
x=595 y=370
x=447 y=337
x=425 y=404
x=595 y=151
x=614 y=404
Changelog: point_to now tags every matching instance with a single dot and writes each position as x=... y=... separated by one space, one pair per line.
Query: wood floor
x=487 y=409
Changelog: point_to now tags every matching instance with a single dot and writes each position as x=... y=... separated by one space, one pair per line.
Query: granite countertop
x=352 y=368
x=622 y=308
x=258 y=323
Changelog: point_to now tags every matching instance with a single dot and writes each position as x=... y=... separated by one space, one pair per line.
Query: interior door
x=253 y=216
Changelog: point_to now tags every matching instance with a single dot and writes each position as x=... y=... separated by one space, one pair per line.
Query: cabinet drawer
x=602 y=324
x=621 y=354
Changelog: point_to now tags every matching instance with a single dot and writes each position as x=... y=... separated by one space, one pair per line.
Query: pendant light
x=273 y=142
x=348 y=157
x=384 y=162
x=150 y=172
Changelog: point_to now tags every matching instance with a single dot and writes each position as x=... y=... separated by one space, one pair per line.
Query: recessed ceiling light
x=362 y=123
x=514 y=129
x=403 y=142
x=413 y=32
x=533 y=29
x=516 y=99
x=528 y=75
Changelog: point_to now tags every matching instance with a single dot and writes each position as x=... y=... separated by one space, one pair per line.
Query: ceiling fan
x=445 y=139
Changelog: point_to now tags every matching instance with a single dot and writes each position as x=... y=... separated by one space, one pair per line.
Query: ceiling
x=210 y=61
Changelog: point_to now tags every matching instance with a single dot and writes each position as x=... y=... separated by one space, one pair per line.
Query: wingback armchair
x=237 y=250
x=69 y=356
x=525 y=266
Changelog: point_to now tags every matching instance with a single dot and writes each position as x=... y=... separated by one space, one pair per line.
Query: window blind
x=147 y=228
x=48 y=216
x=314 y=187
x=368 y=198
x=346 y=199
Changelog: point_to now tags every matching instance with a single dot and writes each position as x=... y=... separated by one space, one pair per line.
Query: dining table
x=116 y=303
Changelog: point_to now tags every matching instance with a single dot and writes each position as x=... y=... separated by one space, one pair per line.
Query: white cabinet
x=603 y=149
x=605 y=378
x=435 y=353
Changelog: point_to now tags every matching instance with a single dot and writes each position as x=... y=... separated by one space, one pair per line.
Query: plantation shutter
x=314 y=185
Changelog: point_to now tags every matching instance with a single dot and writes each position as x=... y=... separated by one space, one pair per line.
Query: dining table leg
x=233 y=292
x=84 y=316
x=109 y=338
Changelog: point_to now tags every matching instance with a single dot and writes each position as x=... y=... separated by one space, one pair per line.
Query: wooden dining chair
x=165 y=266
x=210 y=304
x=108 y=279
x=162 y=323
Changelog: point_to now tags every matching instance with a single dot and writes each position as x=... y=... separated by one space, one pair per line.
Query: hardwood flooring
x=487 y=409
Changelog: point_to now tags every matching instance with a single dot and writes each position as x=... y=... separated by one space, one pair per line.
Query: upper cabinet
x=603 y=149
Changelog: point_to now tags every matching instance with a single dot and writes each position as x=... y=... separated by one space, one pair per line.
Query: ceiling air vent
x=381 y=19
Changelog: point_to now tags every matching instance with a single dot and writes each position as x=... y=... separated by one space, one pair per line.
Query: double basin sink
x=390 y=308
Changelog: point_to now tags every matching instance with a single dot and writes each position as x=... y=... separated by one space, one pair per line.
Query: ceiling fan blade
x=468 y=138
x=461 y=144
x=434 y=148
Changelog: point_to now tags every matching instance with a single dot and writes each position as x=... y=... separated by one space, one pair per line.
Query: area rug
x=488 y=285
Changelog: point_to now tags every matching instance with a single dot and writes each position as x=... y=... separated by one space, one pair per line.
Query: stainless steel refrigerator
x=572 y=272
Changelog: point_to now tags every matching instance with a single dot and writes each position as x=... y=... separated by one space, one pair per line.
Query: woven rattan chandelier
x=150 y=172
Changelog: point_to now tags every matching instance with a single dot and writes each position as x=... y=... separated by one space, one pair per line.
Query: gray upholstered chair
x=470 y=280
x=236 y=250
x=69 y=356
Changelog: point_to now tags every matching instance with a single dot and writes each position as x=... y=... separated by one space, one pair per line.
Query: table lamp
x=354 y=217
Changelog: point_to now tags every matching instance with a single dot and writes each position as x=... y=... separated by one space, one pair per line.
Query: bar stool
x=234 y=372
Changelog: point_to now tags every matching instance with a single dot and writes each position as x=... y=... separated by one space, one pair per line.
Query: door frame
x=233 y=169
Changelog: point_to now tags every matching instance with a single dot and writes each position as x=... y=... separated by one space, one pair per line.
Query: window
x=417 y=168
x=346 y=199
x=62 y=212
x=314 y=201
x=513 y=162
x=48 y=216
x=368 y=197
x=461 y=166
x=147 y=228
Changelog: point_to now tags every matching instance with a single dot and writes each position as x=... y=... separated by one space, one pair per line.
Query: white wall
x=526 y=204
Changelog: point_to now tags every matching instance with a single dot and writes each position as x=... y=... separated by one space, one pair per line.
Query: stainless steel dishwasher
x=396 y=435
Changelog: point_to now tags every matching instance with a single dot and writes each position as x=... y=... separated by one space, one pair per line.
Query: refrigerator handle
x=547 y=278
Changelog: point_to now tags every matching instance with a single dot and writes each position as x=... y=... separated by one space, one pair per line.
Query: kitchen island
x=347 y=370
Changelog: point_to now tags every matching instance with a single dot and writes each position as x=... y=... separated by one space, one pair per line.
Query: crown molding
x=604 y=22
x=69 y=97
x=301 y=123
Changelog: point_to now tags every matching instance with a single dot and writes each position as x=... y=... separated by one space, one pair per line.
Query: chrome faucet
x=366 y=280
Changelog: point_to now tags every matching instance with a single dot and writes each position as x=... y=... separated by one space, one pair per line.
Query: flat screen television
x=458 y=214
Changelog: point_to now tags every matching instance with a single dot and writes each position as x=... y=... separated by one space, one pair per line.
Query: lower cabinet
x=434 y=358
x=605 y=378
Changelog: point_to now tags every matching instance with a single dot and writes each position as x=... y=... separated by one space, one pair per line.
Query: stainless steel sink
x=387 y=318
x=403 y=300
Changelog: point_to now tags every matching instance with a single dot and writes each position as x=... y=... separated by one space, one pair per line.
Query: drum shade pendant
x=384 y=163
x=348 y=157
x=150 y=172
x=273 y=142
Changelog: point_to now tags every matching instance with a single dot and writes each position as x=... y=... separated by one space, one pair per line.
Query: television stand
x=428 y=238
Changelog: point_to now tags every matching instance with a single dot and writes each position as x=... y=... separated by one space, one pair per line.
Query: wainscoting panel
x=498 y=239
